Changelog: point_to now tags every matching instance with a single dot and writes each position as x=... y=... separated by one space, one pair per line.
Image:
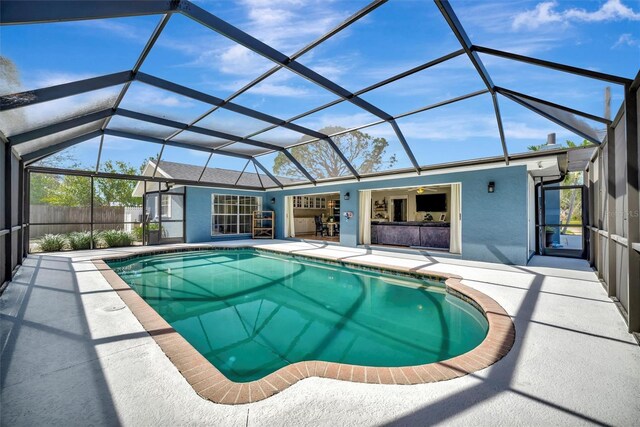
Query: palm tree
x=573 y=178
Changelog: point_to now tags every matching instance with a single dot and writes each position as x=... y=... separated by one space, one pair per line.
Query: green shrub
x=137 y=233
x=116 y=238
x=137 y=230
x=52 y=242
x=81 y=240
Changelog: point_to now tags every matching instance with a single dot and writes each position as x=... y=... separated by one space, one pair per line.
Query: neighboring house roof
x=173 y=170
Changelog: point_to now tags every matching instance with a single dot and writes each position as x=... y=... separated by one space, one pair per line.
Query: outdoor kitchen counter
x=411 y=233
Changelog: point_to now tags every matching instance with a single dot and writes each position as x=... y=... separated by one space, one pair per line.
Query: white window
x=232 y=214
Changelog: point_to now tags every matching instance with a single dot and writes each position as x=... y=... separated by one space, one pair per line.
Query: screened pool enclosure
x=141 y=105
x=298 y=100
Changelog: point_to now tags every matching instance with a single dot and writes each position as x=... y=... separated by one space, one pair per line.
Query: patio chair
x=320 y=227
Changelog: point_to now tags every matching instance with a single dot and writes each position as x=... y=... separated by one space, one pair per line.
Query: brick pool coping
x=208 y=382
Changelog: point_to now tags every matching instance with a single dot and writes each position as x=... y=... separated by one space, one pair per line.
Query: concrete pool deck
x=72 y=353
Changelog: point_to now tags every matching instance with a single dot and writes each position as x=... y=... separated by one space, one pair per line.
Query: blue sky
x=597 y=35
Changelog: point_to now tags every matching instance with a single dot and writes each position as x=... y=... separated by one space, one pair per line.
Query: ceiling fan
x=422 y=190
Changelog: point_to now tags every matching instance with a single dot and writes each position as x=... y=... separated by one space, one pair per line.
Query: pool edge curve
x=209 y=383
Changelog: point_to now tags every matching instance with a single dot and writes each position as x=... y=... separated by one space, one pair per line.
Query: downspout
x=538 y=212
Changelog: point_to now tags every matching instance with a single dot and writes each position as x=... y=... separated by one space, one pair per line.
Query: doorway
x=399 y=209
x=164 y=217
x=313 y=217
x=561 y=229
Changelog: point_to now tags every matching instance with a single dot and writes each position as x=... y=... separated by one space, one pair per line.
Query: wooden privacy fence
x=65 y=219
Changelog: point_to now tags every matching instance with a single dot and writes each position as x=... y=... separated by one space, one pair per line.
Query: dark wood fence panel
x=73 y=216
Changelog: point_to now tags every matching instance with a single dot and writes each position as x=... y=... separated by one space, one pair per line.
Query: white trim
x=289 y=217
x=164 y=197
x=237 y=214
x=390 y=207
x=531 y=163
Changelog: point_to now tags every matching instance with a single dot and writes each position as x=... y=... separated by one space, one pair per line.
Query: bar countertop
x=412 y=223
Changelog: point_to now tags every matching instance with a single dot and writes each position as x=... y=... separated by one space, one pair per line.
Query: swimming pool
x=253 y=312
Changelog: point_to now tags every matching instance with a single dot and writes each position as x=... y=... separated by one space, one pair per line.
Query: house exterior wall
x=198 y=213
x=494 y=225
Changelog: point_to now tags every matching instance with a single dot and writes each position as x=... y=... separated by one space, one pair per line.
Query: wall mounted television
x=431 y=202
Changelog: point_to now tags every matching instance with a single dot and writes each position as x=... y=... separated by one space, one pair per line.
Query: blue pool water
x=252 y=312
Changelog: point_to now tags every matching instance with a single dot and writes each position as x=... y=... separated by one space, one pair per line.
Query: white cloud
x=612 y=10
x=53 y=78
x=238 y=60
x=626 y=39
x=443 y=127
x=289 y=24
x=546 y=13
x=527 y=45
x=145 y=96
x=279 y=90
x=331 y=70
x=326 y=119
x=119 y=27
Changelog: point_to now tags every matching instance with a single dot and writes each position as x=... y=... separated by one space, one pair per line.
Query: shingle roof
x=218 y=175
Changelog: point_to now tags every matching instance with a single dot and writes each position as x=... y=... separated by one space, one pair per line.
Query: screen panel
x=227 y=170
x=282 y=137
x=195 y=56
x=246 y=149
x=344 y=114
x=527 y=131
x=82 y=156
x=58 y=137
x=127 y=156
x=158 y=102
x=576 y=33
x=279 y=166
x=35 y=116
x=200 y=139
x=233 y=123
x=319 y=159
x=182 y=163
x=266 y=181
x=570 y=90
x=377 y=47
x=464 y=130
x=284 y=94
x=286 y=25
x=587 y=127
x=372 y=149
x=43 y=55
x=139 y=127
x=444 y=81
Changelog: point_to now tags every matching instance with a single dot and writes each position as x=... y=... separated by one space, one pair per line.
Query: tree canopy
x=570 y=144
x=366 y=153
x=73 y=190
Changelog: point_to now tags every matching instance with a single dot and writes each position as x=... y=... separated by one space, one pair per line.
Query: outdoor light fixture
x=347 y=196
x=273 y=200
x=420 y=190
x=491 y=188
